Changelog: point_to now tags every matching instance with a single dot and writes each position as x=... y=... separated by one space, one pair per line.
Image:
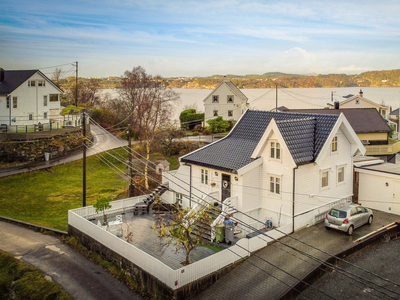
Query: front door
x=226 y=187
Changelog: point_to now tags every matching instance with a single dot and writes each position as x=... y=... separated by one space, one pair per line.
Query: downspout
x=294 y=195
x=9 y=105
x=190 y=187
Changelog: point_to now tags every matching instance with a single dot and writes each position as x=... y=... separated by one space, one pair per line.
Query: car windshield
x=337 y=213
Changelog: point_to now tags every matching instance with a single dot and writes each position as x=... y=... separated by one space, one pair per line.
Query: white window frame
x=334 y=145
x=215 y=113
x=178 y=197
x=324 y=187
x=45 y=115
x=41 y=83
x=204 y=176
x=15 y=102
x=32 y=83
x=30 y=116
x=230 y=113
x=337 y=174
x=275 y=184
x=275 y=150
x=215 y=99
x=231 y=101
x=8 y=100
x=45 y=100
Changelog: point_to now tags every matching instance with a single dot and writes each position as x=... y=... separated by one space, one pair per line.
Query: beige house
x=226 y=100
x=358 y=101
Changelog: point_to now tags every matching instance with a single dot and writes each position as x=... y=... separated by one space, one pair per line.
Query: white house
x=28 y=97
x=226 y=100
x=379 y=186
x=287 y=167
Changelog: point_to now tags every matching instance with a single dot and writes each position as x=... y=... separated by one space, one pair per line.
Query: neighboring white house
x=358 y=101
x=379 y=187
x=28 y=97
x=287 y=167
x=226 y=101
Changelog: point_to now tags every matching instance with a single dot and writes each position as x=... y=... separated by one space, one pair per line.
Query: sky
x=184 y=38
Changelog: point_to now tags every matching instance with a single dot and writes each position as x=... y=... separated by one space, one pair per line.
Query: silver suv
x=347 y=217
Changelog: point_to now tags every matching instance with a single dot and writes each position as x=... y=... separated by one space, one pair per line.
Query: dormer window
x=215 y=99
x=230 y=98
x=275 y=150
x=334 y=144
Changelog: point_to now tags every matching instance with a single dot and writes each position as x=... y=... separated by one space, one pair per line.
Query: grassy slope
x=44 y=197
x=21 y=281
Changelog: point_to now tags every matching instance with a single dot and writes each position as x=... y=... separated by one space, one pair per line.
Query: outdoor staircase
x=144 y=207
x=202 y=228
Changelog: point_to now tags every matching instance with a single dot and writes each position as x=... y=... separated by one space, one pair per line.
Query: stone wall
x=29 y=147
x=148 y=283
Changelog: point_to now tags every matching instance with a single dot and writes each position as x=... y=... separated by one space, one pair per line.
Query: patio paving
x=141 y=235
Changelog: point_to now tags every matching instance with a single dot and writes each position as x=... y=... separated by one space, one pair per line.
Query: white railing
x=174 y=279
x=229 y=205
x=202 y=204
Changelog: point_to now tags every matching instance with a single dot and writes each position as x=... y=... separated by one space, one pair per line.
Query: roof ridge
x=297 y=120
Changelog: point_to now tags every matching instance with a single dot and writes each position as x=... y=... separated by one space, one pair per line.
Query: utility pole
x=76 y=84
x=276 y=97
x=84 y=157
x=131 y=189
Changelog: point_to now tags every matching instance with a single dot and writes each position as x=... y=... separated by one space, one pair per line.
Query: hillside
x=386 y=78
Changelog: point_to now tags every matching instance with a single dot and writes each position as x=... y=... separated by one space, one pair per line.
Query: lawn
x=44 y=197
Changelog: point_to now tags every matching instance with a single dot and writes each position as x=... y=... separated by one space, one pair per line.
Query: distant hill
x=387 y=78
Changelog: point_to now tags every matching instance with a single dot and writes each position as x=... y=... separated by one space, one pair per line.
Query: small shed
x=162 y=166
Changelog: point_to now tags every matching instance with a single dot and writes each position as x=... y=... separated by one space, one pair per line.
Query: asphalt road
x=78 y=276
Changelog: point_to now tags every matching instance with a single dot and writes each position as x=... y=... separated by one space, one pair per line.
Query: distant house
x=226 y=100
x=162 y=166
x=287 y=167
x=28 y=97
x=358 y=101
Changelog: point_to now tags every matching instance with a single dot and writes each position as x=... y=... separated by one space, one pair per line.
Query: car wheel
x=350 y=230
x=370 y=220
x=327 y=228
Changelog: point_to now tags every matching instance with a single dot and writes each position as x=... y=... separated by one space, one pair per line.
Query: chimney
x=361 y=93
x=337 y=105
x=225 y=80
x=1 y=74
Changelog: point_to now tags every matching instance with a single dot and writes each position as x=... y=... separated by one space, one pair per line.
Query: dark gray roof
x=363 y=120
x=14 y=78
x=304 y=134
x=395 y=112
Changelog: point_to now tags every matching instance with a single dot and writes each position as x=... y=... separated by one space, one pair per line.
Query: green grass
x=44 y=197
x=212 y=247
x=21 y=281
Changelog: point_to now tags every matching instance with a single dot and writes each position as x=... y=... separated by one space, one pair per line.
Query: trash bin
x=229 y=228
x=220 y=233
x=46 y=156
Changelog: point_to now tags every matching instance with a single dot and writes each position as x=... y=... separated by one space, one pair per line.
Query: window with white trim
x=45 y=100
x=215 y=113
x=45 y=115
x=275 y=150
x=8 y=102
x=275 y=185
x=53 y=97
x=31 y=83
x=229 y=99
x=41 y=83
x=178 y=197
x=15 y=102
x=30 y=117
x=204 y=176
x=340 y=174
x=334 y=144
x=230 y=113
x=325 y=179
x=215 y=98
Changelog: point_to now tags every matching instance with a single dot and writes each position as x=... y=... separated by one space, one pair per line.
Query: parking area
x=273 y=271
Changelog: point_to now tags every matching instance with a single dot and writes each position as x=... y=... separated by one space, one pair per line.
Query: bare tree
x=149 y=104
x=56 y=75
